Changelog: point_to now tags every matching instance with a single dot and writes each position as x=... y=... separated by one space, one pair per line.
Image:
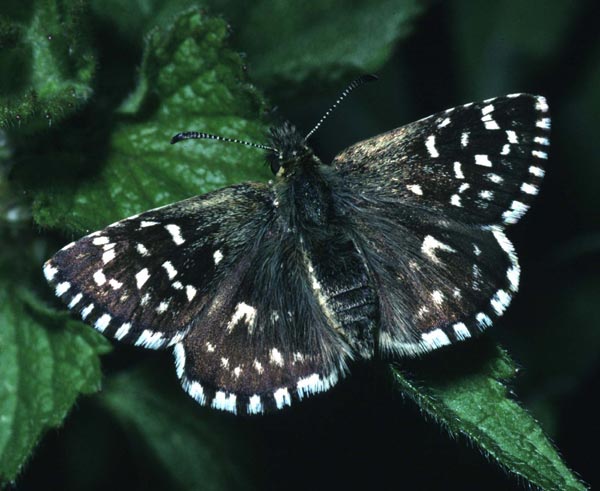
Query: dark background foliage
x=363 y=433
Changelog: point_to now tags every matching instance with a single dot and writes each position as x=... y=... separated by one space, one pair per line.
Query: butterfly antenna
x=353 y=85
x=194 y=135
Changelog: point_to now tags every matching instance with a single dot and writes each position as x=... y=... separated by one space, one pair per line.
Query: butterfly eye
x=275 y=166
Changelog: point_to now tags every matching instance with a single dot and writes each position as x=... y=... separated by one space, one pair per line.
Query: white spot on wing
x=62 y=288
x=115 y=284
x=122 y=331
x=190 y=291
x=179 y=353
x=415 y=188
x=98 y=241
x=500 y=301
x=108 y=256
x=50 y=271
x=539 y=154
x=99 y=277
x=463 y=187
x=458 y=170
x=258 y=366
x=75 y=300
x=255 y=405
x=437 y=297
x=149 y=339
x=495 y=178
x=517 y=210
x=242 y=311
x=217 y=256
x=543 y=123
x=540 y=140
x=103 y=322
x=144 y=224
x=541 y=104
x=162 y=307
x=455 y=200
x=529 y=188
x=445 y=122
x=175 y=232
x=536 y=171
x=87 y=310
x=141 y=248
x=461 y=330
x=483 y=320
x=430 y=144
x=171 y=271
x=487 y=109
x=195 y=390
x=141 y=277
x=512 y=136
x=282 y=397
x=275 y=357
x=464 y=139
x=435 y=339
x=482 y=160
x=224 y=402
x=430 y=244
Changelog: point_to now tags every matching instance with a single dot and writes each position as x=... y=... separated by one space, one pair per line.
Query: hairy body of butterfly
x=268 y=291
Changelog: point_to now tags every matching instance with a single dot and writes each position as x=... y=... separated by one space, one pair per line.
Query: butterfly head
x=288 y=149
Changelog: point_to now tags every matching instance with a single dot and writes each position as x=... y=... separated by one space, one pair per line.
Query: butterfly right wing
x=428 y=203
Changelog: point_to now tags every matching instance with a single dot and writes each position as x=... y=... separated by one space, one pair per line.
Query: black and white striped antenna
x=353 y=85
x=195 y=135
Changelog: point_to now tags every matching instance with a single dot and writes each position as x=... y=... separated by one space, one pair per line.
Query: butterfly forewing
x=145 y=279
x=477 y=163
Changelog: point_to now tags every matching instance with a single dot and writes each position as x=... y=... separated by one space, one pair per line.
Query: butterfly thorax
x=302 y=188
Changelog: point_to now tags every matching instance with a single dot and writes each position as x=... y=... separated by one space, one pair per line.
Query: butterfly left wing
x=428 y=204
x=144 y=280
x=217 y=277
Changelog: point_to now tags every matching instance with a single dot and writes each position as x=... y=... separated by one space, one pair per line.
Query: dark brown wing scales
x=428 y=204
x=143 y=280
x=264 y=339
x=478 y=163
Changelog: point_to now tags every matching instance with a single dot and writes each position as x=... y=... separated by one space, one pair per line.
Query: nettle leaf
x=469 y=397
x=189 y=80
x=189 y=444
x=293 y=42
x=46 y=361
x=47 y=62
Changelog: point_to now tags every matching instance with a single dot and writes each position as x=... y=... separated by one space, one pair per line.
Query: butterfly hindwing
x=265 y=338
x=478 y=163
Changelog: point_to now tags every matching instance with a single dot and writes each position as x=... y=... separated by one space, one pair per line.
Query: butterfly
x=267 y=292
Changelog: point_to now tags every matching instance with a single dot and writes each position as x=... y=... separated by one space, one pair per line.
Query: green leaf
x=464 y=390
x=190 y=444
x=189 y=80
x=46 y=361
x=46 y=59
x=294 y=42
